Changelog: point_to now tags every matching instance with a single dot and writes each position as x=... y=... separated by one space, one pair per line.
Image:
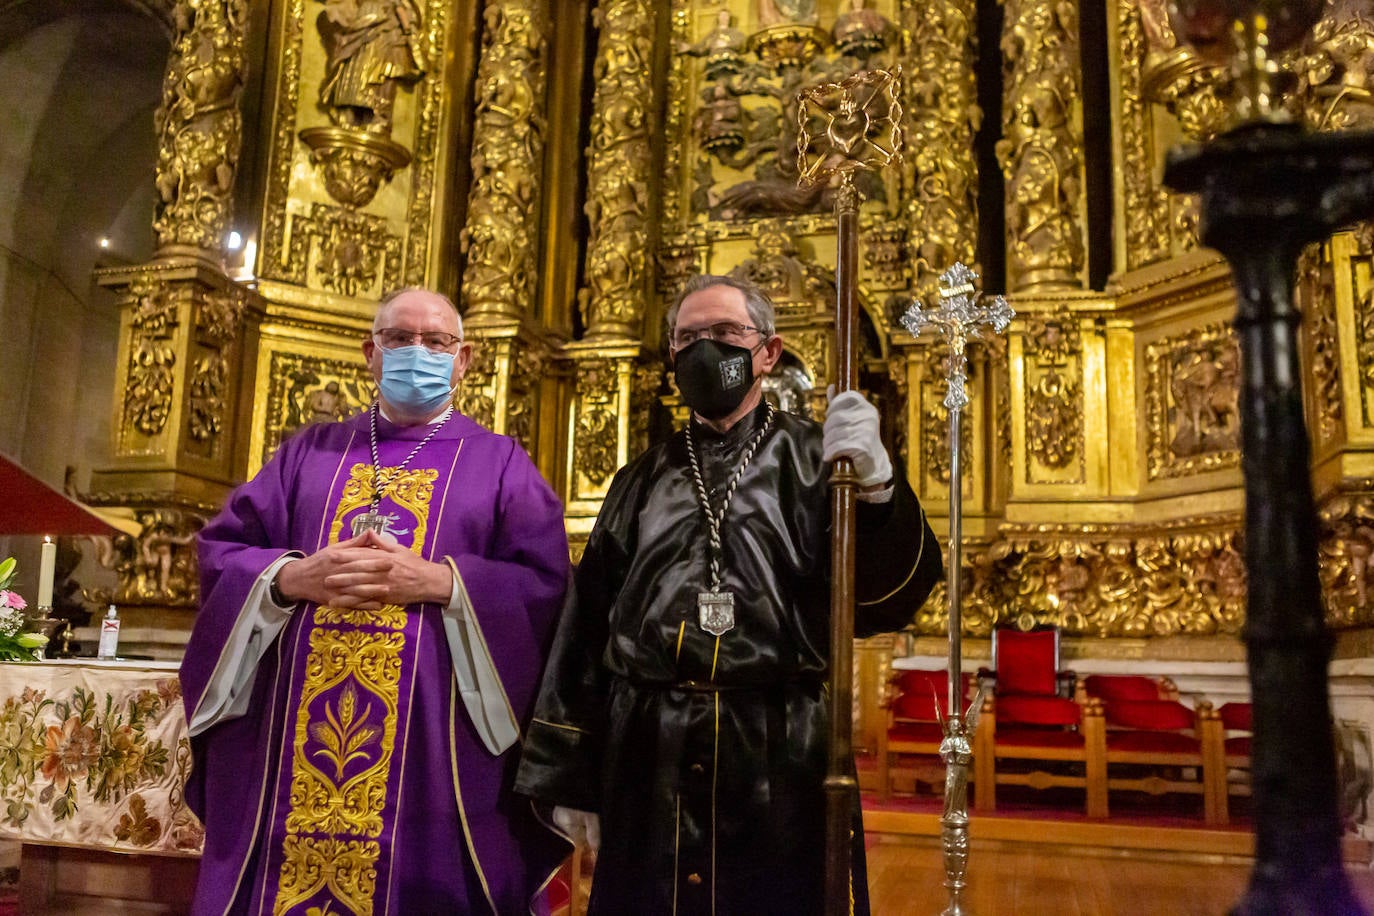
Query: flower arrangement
x=15 y=644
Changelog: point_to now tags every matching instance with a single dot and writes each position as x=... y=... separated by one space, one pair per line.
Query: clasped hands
x=365 y=572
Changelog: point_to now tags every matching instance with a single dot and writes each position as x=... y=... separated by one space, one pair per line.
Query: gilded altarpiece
x=732 y=204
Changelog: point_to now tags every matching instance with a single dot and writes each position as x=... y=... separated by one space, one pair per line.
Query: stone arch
x=79 y=83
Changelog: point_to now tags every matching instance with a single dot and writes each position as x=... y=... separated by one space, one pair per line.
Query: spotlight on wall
x=104 y=241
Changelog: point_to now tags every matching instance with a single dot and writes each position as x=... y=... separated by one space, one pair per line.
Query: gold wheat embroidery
x=343 y=737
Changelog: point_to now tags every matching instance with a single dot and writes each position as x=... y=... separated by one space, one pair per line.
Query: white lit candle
x=46 y=566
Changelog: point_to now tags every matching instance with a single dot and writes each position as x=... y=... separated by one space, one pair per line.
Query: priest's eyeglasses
x=434 y=341
x=731 y=332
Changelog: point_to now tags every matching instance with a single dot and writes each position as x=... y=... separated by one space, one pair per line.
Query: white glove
x=580 y=825
x=851 y=431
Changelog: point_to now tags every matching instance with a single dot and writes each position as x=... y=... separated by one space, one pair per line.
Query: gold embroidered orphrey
x=334 y=823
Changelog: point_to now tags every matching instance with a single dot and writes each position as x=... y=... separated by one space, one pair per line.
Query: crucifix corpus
x=844 y=127
x=962 y=316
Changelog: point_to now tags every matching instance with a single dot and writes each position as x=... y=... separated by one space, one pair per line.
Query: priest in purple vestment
x=376 y=607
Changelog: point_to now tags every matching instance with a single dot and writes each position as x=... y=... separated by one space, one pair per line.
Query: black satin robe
x=705 y=757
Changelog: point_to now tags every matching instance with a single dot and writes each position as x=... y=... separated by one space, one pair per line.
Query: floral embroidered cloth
x=95 y=754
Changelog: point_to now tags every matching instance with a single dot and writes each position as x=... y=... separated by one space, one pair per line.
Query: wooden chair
x=1031 y=715
x=1160 y=743
x=913 y=725
x=1236 y=724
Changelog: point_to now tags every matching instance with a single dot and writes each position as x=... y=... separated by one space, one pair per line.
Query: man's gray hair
x=398 y=293
x=761 y=312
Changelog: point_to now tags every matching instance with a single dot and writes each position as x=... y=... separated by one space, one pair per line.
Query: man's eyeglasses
x=435 y=341
x=731 y=332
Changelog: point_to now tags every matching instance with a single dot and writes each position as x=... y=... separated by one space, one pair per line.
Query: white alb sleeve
x=227 y=694
x=479 y=684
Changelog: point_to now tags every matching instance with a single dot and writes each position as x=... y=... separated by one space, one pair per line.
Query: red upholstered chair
x=913 y=726
x=1031 y=717
x=1156 y=744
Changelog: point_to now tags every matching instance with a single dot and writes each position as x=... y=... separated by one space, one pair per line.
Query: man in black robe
x=683 y=714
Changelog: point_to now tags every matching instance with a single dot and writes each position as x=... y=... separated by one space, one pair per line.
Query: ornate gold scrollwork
x=1347 y=545
x=157 y=567
x=1335 y=80
x=354 y=164
x=1054 y=396
x=522 y=406
x=594 y=450
x=1187 y=578
x=199 y=125
x=217 y=321
x=477 y=391
x=796 y=286
x=1146 y=200
x=344 y=252
x=152 y=360
x=1191 y=412
x=1317 y=298
x=1041 y=149
x=507 y=155
x=304 y=389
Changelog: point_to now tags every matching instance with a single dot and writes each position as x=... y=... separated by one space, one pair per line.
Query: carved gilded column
x=177 y=397
x=619 y=171
x=1041 y=150
x=610 y=388
x=502 y=387
x=941 y=114
x=200 y=127
x=507 y=162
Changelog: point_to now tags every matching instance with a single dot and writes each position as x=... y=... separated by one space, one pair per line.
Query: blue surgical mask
x=416 y=380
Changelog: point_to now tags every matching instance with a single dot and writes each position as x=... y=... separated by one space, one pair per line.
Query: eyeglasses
x=731 y=332
x=435 y=341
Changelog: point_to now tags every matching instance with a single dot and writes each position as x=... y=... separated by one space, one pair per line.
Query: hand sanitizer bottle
x=109 y=636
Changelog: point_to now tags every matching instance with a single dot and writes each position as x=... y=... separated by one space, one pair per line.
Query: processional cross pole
x=961 y=317
x=844 y=127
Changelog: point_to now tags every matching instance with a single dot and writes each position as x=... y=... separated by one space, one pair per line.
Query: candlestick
x=46 y=566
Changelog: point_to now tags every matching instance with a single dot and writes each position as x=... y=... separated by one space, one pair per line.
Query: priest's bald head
x=416 y=354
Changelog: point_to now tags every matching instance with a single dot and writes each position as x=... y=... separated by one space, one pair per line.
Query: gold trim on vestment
x=571 y=728
x=334 y=823
x=914 y=566
x=715 y=770
x=458 y=794
x=267 y=781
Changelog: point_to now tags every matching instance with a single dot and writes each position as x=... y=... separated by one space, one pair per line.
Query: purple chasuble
x=355 y=783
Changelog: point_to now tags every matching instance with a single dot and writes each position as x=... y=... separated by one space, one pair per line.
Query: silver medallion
x=372 y=521
x=716 y=611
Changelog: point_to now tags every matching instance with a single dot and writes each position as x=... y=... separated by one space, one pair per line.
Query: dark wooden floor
x=906 y=878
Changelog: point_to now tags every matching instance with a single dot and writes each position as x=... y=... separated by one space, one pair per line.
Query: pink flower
x=12 y=599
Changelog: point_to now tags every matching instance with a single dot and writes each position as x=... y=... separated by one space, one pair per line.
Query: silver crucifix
x=960 y=318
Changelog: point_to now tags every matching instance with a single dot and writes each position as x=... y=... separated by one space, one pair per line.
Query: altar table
x=95 y=754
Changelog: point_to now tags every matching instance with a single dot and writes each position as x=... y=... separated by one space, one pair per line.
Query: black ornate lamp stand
x=1267 y=192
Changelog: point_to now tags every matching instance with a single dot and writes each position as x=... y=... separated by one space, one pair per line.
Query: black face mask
x=714 y=377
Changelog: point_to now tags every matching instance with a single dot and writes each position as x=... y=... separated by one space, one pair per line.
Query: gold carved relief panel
x=302 y=383
x=731 y=202
x=1192 y=415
